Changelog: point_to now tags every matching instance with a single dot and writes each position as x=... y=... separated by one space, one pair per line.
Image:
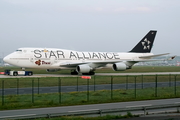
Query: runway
x=52 y=110
x=97 y=74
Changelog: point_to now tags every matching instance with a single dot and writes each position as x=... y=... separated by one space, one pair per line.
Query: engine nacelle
x=83 y=68
x=119 y=66
x=52 y=70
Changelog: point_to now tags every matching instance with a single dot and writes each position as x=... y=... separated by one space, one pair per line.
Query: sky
x=89 y=25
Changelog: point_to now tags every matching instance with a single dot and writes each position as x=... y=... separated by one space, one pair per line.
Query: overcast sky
x=89 y=25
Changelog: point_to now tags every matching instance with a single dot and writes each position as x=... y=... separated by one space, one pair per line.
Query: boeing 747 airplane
x=86 y=63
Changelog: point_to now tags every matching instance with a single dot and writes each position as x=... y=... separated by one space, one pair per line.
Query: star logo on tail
x=146 y=44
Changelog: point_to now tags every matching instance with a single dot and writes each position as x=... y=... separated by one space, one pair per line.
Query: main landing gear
x=74 y=72
x=90 y=73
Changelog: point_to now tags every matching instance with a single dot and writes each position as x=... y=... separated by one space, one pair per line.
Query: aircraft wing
x=74 y=64
x=102 y=63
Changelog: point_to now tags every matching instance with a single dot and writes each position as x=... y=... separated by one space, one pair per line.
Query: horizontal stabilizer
x=150 y=60
x=151 y=56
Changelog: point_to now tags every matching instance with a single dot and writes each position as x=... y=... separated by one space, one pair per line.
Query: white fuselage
x=51 y=58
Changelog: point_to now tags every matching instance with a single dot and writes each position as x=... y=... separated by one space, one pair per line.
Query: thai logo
x=38 y=62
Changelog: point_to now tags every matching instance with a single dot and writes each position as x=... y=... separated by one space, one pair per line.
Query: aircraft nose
x=6 y=59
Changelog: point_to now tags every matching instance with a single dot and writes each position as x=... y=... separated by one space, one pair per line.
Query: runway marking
x=18 y=115
x=138 y=106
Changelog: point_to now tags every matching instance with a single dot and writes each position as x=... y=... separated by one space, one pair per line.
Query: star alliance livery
x=85 y=63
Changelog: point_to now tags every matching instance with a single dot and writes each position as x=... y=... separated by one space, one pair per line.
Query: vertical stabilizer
x=145 y=45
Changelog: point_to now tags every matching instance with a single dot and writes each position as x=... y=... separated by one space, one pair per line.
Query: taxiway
x=53 y=110
x=97 y=74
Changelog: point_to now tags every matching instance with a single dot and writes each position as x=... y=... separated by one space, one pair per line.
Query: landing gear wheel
x=15 y=74
x=74 y=72
x=30 y=73
x=90 y=73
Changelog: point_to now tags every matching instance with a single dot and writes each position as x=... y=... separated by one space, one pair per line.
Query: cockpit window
x=18 y=50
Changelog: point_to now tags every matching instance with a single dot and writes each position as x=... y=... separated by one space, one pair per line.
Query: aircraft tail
x=145 y=45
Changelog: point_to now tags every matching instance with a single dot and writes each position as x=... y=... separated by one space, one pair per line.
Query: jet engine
x=83 y=68
x=119 y=66
x=52 y=70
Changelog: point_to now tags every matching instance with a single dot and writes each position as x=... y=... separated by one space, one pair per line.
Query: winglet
x=145 y=45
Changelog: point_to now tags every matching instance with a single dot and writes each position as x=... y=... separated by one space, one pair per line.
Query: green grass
x=81 y=98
